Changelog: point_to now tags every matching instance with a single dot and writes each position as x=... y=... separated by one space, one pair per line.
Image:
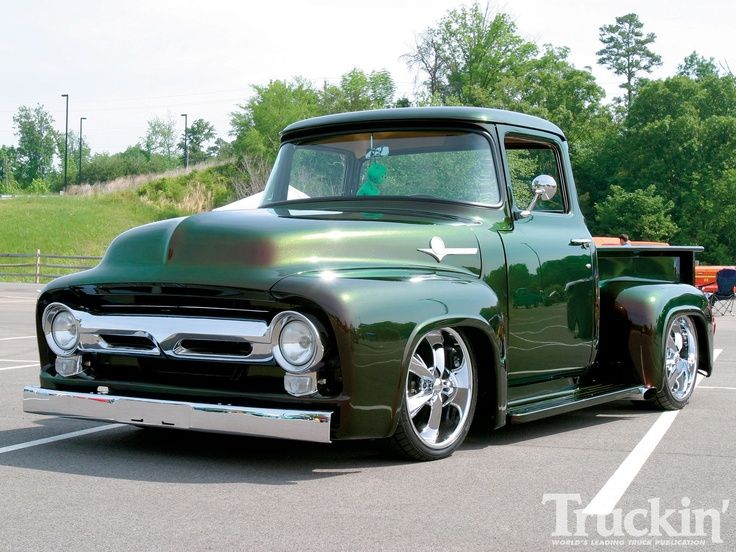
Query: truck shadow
x=557 y=425
x=171 y=456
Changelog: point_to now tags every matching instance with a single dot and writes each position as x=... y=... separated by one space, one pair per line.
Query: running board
x=581 y=399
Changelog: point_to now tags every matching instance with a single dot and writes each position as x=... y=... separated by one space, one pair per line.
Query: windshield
x=447 y=165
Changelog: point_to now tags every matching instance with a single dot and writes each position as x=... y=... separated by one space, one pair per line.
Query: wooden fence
x=41 y=267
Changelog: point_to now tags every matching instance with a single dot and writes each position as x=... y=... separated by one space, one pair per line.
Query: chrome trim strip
x=301 y=425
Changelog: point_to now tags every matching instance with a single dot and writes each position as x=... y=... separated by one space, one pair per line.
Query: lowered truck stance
x=407 y=271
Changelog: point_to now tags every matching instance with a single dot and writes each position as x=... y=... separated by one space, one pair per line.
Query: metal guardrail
x=38 y=263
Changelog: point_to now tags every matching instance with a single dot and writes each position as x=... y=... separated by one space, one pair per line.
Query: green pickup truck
x=407 y=272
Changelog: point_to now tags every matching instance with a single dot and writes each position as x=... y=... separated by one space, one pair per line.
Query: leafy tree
x=626 y=51
x=34 y=155
x=257 y=124
x=690 y=122
x=135 y=160
x=57 y=179
x=429 y=58
x=641 y=214
x=358 y=91
x=200 y=141
x=160 y=137
x=472 y=57
x=8 y=185
x=556 y=90
x=697 y=67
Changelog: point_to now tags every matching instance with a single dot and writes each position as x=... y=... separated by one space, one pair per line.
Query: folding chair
x=722 y=299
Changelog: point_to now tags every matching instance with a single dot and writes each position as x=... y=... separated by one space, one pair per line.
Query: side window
x=527 y=159
x=318 y=172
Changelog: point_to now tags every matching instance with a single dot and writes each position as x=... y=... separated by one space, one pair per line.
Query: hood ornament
x=438 y=250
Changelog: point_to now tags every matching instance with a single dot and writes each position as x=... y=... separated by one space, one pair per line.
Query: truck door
x=551 y=270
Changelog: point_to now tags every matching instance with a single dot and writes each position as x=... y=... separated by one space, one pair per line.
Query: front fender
x=637 y=312
x=377 y=316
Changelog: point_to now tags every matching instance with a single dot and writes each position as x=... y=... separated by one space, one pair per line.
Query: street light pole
x=79 y=174
x=186 y=144
x=66 y=137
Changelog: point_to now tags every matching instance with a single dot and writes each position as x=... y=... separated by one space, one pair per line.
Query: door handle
x=581 y=242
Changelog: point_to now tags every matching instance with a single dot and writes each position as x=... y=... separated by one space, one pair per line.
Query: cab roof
x=421 y=114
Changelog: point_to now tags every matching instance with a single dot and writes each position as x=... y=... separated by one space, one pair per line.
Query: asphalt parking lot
x=69 y=484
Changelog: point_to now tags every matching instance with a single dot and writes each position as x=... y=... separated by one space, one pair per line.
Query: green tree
x=697 y=67
x=430 y=59
x=256 y=125
x=57 y=179
x=680 y=135
x=34 y=155
x=626 y=51
x=641 y=214
x=485 y=60
x=358 y=91
x=200 y=141
x=8 y=185
x=160 y=137
x=556 y=90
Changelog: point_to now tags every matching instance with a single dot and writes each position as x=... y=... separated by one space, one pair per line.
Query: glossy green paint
x=527 y=300
x=254 y=249
x=552 y=287
x=635 y=314
x=553 y=290
x=409 y=116
x=362 y=269
x=376 y=316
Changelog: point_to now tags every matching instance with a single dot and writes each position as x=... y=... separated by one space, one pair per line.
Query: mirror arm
x=528 y=211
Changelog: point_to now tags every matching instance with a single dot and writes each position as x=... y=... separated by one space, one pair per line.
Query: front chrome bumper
x=302 y=425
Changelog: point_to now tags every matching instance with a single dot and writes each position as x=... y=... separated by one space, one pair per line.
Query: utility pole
x=186 y=142
x=79 y=174
x=66 y=137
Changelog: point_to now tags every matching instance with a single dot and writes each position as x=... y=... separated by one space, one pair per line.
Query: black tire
x=680 y=364
x=440 y=392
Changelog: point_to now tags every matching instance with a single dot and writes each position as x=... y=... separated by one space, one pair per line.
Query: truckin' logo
x=438 y=250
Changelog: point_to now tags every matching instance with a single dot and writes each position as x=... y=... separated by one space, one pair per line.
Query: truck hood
x=255 y=249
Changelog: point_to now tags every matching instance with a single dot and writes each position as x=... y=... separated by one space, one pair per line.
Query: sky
x=125 y=62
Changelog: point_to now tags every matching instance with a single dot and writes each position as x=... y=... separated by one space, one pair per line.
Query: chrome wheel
x=681 y=358
x=439 y=391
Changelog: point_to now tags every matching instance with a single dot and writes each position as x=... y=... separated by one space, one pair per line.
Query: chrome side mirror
x=544 y=187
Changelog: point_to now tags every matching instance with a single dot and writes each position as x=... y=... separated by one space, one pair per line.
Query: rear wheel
x=440 y=392
x=680 y=369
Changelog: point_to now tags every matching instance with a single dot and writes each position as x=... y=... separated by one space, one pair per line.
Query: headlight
x=299 y=345
x=61 y=329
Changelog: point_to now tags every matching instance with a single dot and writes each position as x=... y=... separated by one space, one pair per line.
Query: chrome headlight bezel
x=280 y=322
x=51 y=316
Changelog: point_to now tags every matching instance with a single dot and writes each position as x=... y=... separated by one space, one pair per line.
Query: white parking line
x=713 y=387
x=605 y=501
x=61 y=437
x=4 y=368
x=14 y=338
x=15 y=360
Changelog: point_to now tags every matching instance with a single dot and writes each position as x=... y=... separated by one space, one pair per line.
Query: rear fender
x=637 y=313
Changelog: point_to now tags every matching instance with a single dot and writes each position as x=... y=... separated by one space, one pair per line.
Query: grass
x=69 y=225
x=85 y=222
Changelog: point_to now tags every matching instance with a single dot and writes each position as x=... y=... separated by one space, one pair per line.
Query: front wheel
x=440 y=392
x=680 y=369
